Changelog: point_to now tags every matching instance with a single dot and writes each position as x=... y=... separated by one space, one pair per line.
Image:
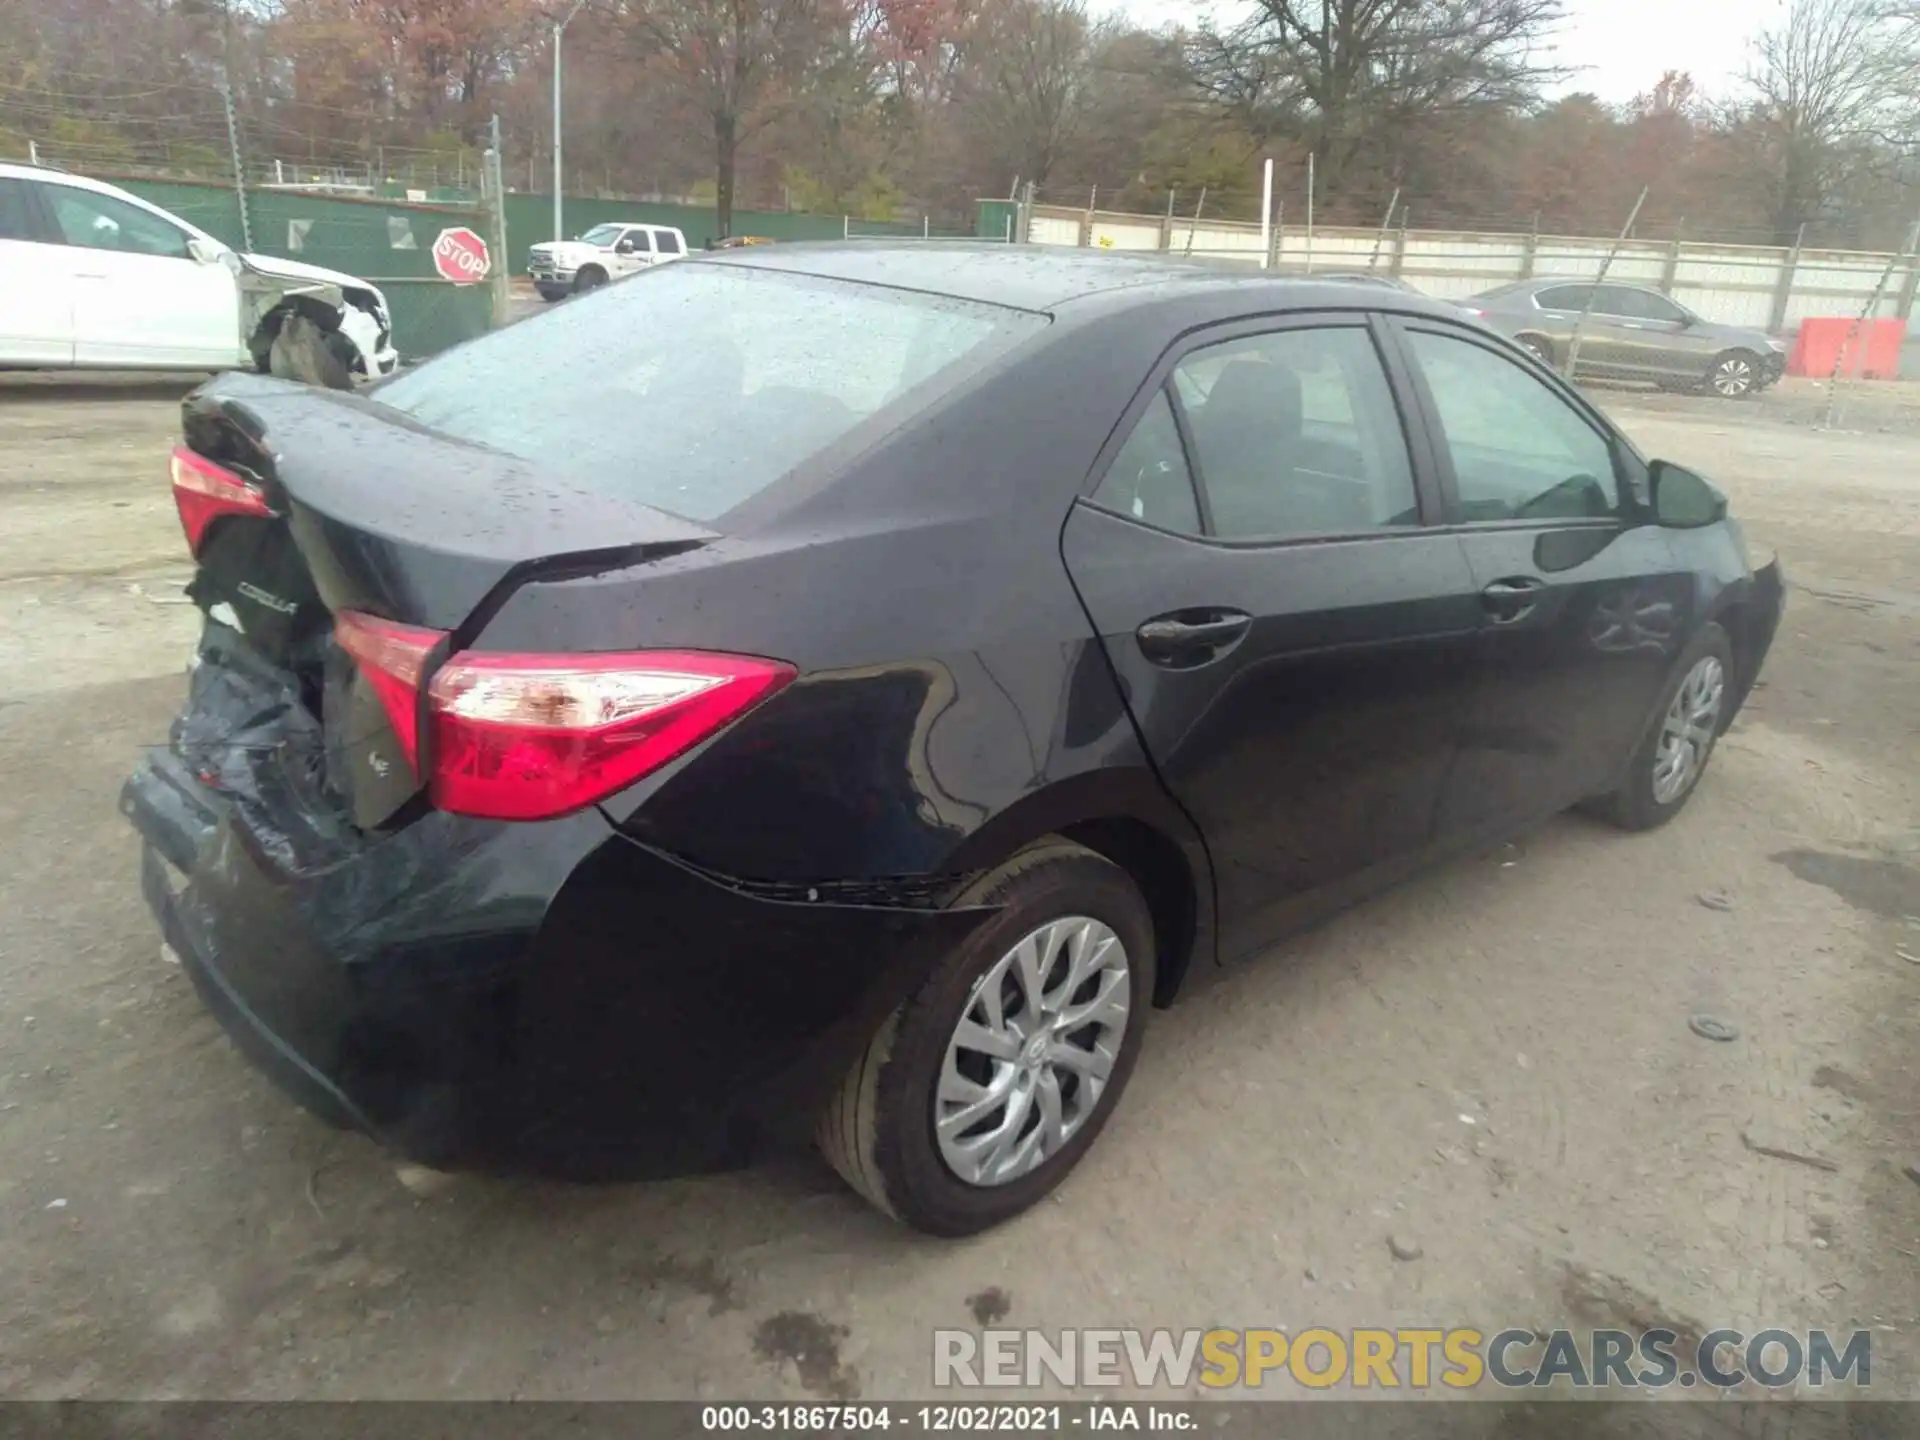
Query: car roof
x=14 y=170
x=1043 y=278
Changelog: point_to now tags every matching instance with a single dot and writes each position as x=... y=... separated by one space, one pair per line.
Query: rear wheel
x=983 y=1090
x=1734 y=375
x=1671 y=758
x=591 y=277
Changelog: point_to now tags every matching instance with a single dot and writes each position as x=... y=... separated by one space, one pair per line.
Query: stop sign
x=461 y=256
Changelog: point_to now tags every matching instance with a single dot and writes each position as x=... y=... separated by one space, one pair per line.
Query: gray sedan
x=1631 y=333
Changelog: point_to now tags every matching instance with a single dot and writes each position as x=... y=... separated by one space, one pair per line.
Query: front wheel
x=592 y=277
x=983 y=1090
x=1734 y=375
x=1673 y=755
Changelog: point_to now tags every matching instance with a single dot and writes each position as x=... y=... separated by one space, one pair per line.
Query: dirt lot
x=1494 y=1062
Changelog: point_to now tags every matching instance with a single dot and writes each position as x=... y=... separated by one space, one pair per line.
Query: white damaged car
x=93 y=277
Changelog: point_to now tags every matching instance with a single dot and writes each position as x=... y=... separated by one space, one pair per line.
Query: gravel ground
x=1492 y=1064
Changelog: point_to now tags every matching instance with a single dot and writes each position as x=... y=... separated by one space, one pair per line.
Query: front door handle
x=1192 y=637
x=1510 y=600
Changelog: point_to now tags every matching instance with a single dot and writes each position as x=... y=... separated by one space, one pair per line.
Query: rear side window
x=692 y=388
x=666 y=242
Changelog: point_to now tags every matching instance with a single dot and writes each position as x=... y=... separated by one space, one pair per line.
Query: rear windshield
x=693 y=387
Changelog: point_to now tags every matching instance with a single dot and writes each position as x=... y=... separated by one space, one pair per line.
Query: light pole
x=559 y=29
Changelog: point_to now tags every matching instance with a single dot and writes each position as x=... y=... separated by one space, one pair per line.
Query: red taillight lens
x=525 y=737
x=203 y=492
x=530 y=737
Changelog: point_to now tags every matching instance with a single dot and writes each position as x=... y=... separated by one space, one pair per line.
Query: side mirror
x=625 y=247
x=204 y=251
x=1683 y=500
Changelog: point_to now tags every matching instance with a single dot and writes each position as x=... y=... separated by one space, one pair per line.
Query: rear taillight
x=204 y=491
x=529 y=737
x=393 y=658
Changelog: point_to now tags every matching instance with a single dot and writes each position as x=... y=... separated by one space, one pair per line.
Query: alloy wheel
x=1030 y=1058
x=1688 y=730
x=1733 y=377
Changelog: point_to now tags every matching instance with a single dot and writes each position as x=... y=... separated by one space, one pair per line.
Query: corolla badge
x=260 y=597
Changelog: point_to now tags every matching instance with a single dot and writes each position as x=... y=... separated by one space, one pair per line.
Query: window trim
x=1633 y=510
x=1370 y=322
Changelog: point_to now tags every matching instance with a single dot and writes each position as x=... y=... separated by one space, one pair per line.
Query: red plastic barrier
x=1873 y=354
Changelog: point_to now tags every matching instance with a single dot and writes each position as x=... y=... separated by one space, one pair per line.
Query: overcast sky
x=1622 y=45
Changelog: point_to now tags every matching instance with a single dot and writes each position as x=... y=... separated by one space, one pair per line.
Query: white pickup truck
x=606 y=252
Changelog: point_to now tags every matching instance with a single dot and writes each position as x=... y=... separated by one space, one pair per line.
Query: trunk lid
x=374 y=513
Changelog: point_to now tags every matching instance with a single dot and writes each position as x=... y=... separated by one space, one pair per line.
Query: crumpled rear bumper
x=552 y=996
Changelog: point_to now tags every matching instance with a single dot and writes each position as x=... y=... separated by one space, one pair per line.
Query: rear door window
x=667 y=242
x=692 y=388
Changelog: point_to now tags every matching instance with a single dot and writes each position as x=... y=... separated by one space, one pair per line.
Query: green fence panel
x=387 y=242
x=430 y=315
x=999 y=220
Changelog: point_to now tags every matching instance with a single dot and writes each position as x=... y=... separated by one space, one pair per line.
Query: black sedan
x=845 y=689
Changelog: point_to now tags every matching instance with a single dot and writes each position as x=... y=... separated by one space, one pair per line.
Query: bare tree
x=1023 y=80
x=734 y=60
x=1822 y=88
x=1347 y=75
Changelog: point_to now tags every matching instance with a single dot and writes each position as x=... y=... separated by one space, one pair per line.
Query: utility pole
x=239 y=171
x=495 y=184
x=559 y=31
x=1198 y=207
x=1309 y=212
x=1573 y=346
x=1266 y=213
x=1386 y=223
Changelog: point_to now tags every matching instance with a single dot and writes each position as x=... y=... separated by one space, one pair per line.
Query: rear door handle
x=1192 y=637
x=1510 y=600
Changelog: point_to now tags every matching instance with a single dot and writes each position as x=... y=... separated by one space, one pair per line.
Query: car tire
x=879 y=1130
x=1538 y=348
x=1734 y=375
x=1647 y=799
x=551 y=293
x=592 y=277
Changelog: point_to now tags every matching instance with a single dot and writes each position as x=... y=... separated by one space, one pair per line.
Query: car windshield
x=693 y=387
x=602 y=234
